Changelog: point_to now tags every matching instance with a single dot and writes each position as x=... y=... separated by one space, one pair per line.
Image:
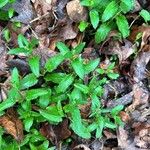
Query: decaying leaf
x=67 y=32
x=3 y=59
x=140 y=96
x=81 y=147
x=24 y=10
x=76 y=12
x=12 y=124
x=56 y=133
x=122 y=50
x=138 y=66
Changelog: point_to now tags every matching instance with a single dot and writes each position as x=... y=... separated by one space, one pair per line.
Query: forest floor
x=51 y=21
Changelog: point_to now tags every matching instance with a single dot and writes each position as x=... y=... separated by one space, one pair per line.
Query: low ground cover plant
x=61 y=94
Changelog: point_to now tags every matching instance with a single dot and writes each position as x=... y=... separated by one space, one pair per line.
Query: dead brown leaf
x=56 y=133
x=138 y=66
x=67 y=32
x=3 y=59
x=122 y=49
x=140 y=97
x=12 y=124
x=124 y=116
x=24 y=10
x=76 y=12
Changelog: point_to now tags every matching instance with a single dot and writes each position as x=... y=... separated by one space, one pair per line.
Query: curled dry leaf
x=12 y=124
x=20 y=64
x=81 y=147
x=76 y=12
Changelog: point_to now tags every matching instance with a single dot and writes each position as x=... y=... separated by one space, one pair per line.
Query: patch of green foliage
x=6 y=15
x=108 y=15
x=63 y=92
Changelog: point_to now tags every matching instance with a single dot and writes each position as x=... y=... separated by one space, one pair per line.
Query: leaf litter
x=57 y=20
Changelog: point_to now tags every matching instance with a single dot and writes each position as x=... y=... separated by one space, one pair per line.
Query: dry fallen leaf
x=140 y=97
x=12 y=124
x=124 y=116
x=67 y=32
x=76 y=12
x=122 y=49
x=81 y=147
x=3 y=59
x=138 y=66
x=56 y=133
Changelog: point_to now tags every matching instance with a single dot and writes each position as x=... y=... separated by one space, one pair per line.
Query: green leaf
x=78 y=67
x=82 y=88
x=7 y=35
x=22 y=41
x=15 y=78
x=7 y=104
x=11 y=12
x=78 y=49
x=65 y=83
x=94 y=17
x=77 y=125
x=76 y=95
x=116 y=110
x=28 y=123
x=28 y=81
x=44 y=101
x=92 y=126
x=35 y=93
x=54 y=62
x=127 y=5
x=110 y=125
x=91 y=66
x=62 y=48
x=52 y=114
x=112 y=75
x=95 y=103
x=123 y=25
x=110 y=11
x=100 y=127
x=100 y=71
x=82 y=26
x=145 y=14
x=3 y=3
x=86 y=3
x=55 y=77
x=111 y=66
x=16 y=51
x=34 y=63
x=102 y=32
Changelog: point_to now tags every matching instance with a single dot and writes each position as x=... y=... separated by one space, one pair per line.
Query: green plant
x=145 y=15
x=6 y=15
x=106 y=16
x=62 y=93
